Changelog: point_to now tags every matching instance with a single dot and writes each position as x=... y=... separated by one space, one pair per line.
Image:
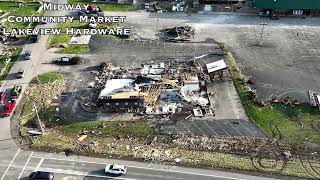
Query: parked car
x=27 y=55
x=115 y=169
x=92 y=25
x=3 y=96
x=68 y=61
x=34 y=38
x=20 y=73
x=15 y=92
x=8 y=108
x=41 y=175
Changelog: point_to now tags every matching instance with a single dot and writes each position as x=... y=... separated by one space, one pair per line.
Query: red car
x=3 y=96
x=8 y=108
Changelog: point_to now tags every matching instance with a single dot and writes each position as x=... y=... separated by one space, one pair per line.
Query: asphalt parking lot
x=287 y=63
x=212 y=128
x=135 y=52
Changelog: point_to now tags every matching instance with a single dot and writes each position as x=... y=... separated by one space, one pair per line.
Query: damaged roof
x=216 y=66
x=113 y=86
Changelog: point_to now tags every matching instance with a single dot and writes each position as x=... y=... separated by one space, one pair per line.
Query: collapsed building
x=156 y=88
x=119 y=95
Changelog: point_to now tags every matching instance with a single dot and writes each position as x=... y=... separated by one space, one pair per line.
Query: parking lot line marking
x=39 y=164
x=221 y=127
x=199 y=128
x=210 y=128
x=24 y=167
x=164 y=129
x=187 y=128
x=140 y=167
x=246 y=128
x=14 y=157
x=235 y=129
x=178 y=132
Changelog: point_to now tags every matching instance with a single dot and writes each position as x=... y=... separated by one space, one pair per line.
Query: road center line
x=4 y=174
x=25 y=165
x=141 y=167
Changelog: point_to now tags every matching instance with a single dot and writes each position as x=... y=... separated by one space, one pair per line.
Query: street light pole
x=262 y=31
x=157 y=24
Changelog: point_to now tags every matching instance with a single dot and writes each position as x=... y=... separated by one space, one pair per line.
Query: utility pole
x=40 y=123
x=157 y=24
x=262 y=31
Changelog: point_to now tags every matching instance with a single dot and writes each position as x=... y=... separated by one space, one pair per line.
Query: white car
x=116 y=169
x=92 y=25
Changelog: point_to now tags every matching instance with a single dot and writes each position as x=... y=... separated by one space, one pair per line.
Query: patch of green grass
x=276 y=120
x=105 y=6
x=47 y=78
x=115 y=7
x=58 y=39
x=75 y=49
x=27 y=10
x=27 y=115
x=112 y=128
x=74 y=24
x=8 y=6
x=63 y=38
x=14 y=56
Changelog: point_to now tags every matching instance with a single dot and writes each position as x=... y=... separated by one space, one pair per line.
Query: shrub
x=75 y=60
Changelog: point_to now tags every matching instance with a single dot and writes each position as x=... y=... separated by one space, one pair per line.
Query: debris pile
x=163 y=148
x=178 y=34
x=43 y=95
x=157 y=89
x=314 y=98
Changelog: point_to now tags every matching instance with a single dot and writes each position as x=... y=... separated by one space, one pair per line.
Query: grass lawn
x=279 y=120
x=106 y=6
x=75 y=49
x=42 y=90
x=58 y=39
x=27 y=10
x=8 y=6
x=111 y=128
x=13 y=58
x=47 y=78
x=62 y=37
x=65 y=39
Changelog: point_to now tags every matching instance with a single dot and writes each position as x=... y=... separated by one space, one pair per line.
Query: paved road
x=78 y=167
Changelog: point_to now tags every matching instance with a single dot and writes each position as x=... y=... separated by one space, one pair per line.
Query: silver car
x=27 y=55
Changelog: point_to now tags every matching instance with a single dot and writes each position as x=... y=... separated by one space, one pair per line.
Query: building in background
x=288 y=7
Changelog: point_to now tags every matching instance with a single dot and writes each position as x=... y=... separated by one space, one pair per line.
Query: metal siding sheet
x=286 y=4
